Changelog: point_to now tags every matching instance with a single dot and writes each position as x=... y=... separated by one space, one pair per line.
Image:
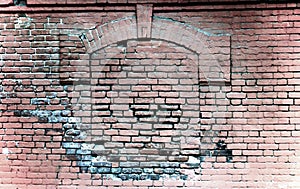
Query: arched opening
x=139 y=99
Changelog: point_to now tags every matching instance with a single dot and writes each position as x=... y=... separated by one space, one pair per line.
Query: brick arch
x=169 y=152
x=162 y=29
x=213 y=49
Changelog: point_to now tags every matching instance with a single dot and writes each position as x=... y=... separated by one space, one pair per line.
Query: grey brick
x=127 y=170
x=102 y=164
x=143 y=177
x=169 y=170
x=149 y=164
x=129 y=164
x=133 y=176
x=153 y=177
x=71 y=145
x=183 y=177
x=137 y=170
x=71 y=151
x=193 y=165
x=166 y=165
x=40 y=101
x=53 y=119
x=148 y=170
x=93 y=170
x=83 y=152
x=41 y=113
x=87 y=157
x=116 y=170
x=56 y=113
x=84 y=163
x=68 y=126
x=123 y=176
x=27 y=113
x=65 y=112
x=73 y=132
x=63 y=119
x=51 y=95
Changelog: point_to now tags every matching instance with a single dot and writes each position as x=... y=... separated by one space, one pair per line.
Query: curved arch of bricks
x=214 y=48
x=214 y=65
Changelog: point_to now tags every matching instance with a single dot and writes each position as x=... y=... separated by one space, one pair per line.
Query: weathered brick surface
x=210 y=100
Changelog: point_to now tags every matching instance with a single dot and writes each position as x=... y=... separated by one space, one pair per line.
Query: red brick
x=120 y=138
x=256 y=113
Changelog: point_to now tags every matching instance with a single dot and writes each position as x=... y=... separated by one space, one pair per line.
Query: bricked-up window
x=138 y=106
x=153 y=101
x=136 y=103
x=144 y=105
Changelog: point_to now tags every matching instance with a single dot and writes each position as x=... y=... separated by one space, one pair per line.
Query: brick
x=236 y=95
x=121 y=139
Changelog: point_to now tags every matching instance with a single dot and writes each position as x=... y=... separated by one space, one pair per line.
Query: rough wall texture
x=200 y=95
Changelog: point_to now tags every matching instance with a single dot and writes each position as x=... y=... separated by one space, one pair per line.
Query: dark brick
x=153 y=177
x=40 y=101
x=104 y=170
x=126 y=170
x=71 y=132
x=192 y=165
x=143 y=177
x=183 y=177
x=133 y=177
x=116 y=170
x=123 y=176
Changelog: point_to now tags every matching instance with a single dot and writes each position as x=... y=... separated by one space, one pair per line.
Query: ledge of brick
x=130 y=5
x=62 y=2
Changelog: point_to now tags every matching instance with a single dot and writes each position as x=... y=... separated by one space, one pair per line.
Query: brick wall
x=118 y=95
